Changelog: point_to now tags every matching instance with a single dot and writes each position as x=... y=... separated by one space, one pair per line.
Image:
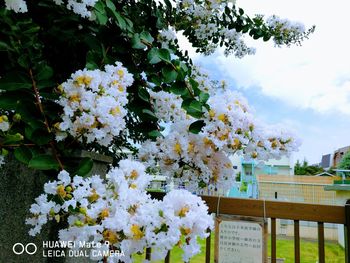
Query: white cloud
x=316 y=75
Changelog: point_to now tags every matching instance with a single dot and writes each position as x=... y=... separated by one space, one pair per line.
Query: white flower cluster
x=2 y=160
x=167 y=37
x=202 y=15
x=284 y=29
x=167 y=106
x=231 y=127
x=118 y=211
x=18 y=6
x=4 y=123
x=81 y=7
x=190 y=160
x=93 y=103
x=201 y=160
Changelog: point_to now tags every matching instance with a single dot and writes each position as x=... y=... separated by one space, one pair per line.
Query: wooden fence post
x=347 y=231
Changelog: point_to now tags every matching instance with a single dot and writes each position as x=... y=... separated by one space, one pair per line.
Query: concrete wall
x=19 y=187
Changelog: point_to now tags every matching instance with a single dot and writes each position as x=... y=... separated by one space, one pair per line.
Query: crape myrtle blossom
x=285 y=29
x=189 y=159
x=167 y=37
x=19 y=6
x=118 y=210
x=167 y=106
x=203 y=15
x=94 y=102
x=201 y=160
x=82 y=8
x=4 y=123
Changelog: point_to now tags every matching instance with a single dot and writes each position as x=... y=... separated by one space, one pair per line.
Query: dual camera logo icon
x=29 y=248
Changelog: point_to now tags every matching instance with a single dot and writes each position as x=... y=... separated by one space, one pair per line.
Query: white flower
x=94 y=102
x=19 y=6
x=4 y=123
x=119 y=211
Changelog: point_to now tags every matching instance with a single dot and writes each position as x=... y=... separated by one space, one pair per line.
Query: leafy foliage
x=345 y=162
x=40 y=49
x=306 y=169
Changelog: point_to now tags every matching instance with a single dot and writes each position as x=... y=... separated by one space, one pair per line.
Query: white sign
x=240 y=241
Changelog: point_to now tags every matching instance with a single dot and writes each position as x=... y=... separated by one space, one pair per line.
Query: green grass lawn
x=285 y=249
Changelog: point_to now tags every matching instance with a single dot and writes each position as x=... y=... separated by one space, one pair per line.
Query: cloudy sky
x=306 y=88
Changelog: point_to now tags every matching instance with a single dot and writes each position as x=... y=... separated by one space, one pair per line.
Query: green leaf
x=153 y=56
x=120 y=20
x=192 y=107
x=178 y=88
x=143 y=94
x=136 y=42
x=164 y=55
x=149 y=113
x=195 y=106
x=4 y=46
x=146 y=37
x=15 y=81
x=43 y=162
x=12 y=138
x=203 y=97
x=196 y=126
x=40 y=137
x=9 y=100
x=155 y=134
x=266 y=37
x=23 y=154
x=100 y=13
x=45 y=72
x=169 y=74
x=85 y=166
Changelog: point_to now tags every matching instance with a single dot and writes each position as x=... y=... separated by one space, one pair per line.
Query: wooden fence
x=279 y=210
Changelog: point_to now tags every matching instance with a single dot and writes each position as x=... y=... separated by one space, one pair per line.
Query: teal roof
x=337 y=187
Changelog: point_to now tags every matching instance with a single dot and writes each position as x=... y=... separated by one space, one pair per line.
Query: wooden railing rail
x=281 y=210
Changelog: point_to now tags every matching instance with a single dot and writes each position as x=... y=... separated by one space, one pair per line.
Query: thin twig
x=41 y=109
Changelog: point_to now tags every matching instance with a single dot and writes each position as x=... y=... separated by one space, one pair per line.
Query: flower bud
x=82 y=210
x=78 y=223
x=17 y=117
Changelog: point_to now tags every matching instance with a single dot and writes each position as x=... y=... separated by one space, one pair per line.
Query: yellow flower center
x=93 y=197
x=110 y=236
x=115 y=111
x=136 y=231
x=134 y=174
x=190 y=147
x=168 y=161
x=254 y=155
x=183 y=211
x=211 y=113
x=83 y=80
x=120 y=73
x=185 y=231
x=236 y=143
x=74 y=98
x=104 y=213
x=61 y=191
x=223 y=118
x=177 y=148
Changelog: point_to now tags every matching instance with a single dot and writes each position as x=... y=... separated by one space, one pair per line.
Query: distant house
x=325 y=174
x=338 y=155
x=326 y=161
x=249 y=169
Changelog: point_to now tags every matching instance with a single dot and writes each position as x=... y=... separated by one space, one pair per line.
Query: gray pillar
x=19 y=186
